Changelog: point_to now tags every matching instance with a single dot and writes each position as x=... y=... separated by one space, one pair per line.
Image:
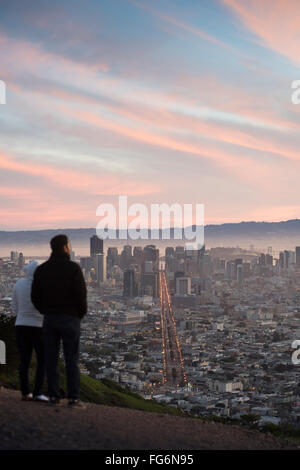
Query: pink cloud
x=241 y=166
x=81 y=180
x=275 y=22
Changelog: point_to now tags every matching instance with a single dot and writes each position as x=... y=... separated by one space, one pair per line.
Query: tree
x=130 y=357
x=250 y=419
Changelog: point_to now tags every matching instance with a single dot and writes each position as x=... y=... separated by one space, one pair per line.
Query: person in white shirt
x=29 y=334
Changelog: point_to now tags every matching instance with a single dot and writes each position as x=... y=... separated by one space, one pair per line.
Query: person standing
x=59 y=293
x=29 y=335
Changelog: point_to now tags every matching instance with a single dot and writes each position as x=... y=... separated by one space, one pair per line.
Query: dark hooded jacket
x=59 y=287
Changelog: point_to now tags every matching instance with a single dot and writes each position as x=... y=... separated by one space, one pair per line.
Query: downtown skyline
x=164 y=102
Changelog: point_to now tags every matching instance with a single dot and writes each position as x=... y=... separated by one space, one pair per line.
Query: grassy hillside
x=104 y=392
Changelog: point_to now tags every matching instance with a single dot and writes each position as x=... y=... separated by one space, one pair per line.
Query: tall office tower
x=96 y=245
x=207 y=265
x=126 y=257
x=151 y=253
x=237 y=261
x=100 y=266
x=148 y=266
x=21 y=260
x=138 y=256
x=183 y=285
x=286 y=258
x=191 y=264
x=72 y=255
x=112 y=258
x=169 y=251
x=281 y=260
x=13 y=256
x=169 y=258
x=298 y=256
x=240 y=273
x=246 y=270
x=269 y=260
x=130 y=283
x=150 y=284
x=291 y=257
x=269 y=250
x=230 y=270
x=262 y=259
x=201 y=253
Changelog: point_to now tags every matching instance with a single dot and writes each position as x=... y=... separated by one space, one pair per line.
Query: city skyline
x=164 y=103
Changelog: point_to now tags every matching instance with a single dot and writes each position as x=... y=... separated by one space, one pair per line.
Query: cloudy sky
x=163 y=101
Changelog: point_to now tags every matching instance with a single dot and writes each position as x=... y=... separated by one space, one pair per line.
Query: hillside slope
x=104 y=392
x=29 y=425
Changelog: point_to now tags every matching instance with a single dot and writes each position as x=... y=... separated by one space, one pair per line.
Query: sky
x=169 y=101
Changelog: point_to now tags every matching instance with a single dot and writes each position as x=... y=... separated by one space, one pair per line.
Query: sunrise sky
x=163 y=101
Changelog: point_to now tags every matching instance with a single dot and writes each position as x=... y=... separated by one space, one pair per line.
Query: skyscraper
x=130 y=284
x=96 y=245
x=150 y=284
x=138 y=256
x=126 y=257
x=100 y=266
x=13 y=255
x=21 y=260
x=151 y=253
x=281 y=260
x=297 y=256
x=239 y=274
x=286 y=258
x=269 y=260
x=112 y=258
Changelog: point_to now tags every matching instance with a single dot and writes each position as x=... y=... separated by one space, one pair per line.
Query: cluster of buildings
x=237 y=314
x=94 y=266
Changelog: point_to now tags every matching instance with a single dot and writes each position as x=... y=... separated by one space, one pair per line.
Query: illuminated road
x=173 y=365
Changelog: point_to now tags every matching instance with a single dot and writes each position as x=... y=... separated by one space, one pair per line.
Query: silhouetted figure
x=29 y=335
x=59 y=293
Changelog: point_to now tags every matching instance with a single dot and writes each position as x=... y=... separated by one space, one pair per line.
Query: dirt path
x=29 y=425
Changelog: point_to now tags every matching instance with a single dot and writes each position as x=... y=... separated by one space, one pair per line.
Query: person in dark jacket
x=59 y=293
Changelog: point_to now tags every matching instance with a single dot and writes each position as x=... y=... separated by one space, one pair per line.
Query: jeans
x=63 y=327
x=30 y=338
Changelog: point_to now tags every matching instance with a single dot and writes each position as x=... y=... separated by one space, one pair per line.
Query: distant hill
x=280 y=235
x=288 y=227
